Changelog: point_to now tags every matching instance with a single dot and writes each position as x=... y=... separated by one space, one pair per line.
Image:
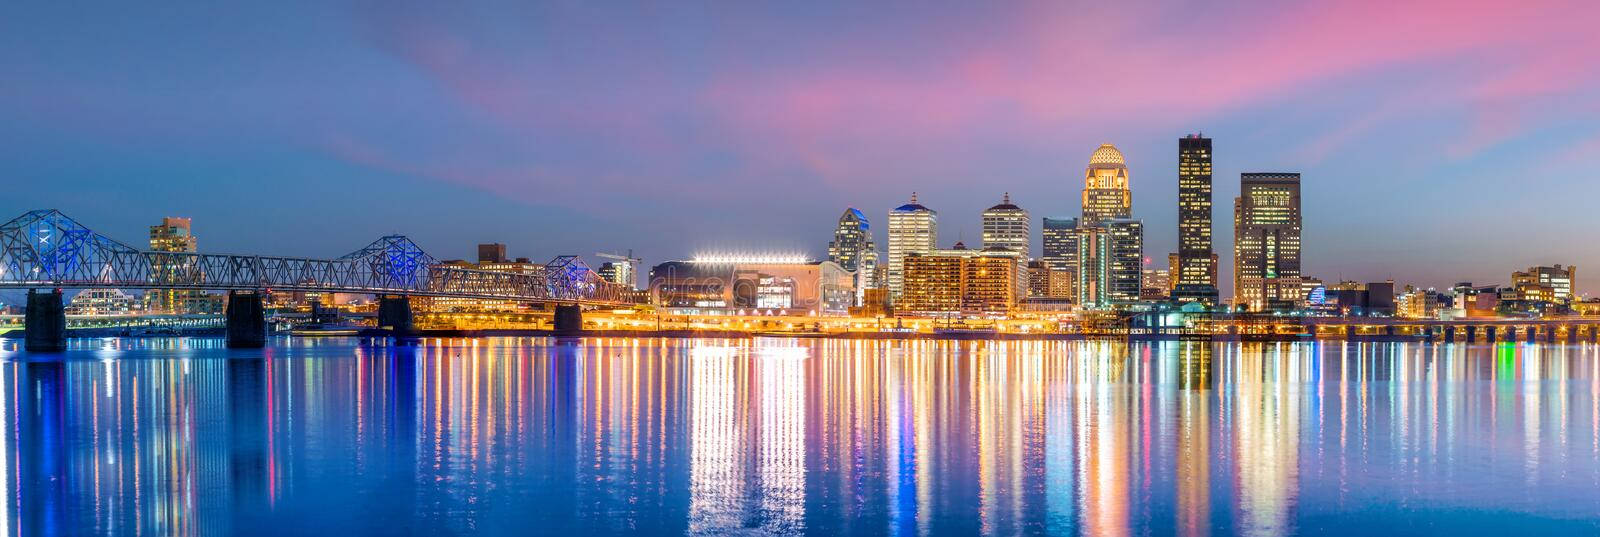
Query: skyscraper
x=1007 y=226
x=1196 y=264
x=853 y=250
x=1110 y=243
x=912 y=229
x=1060 y=238
x=1105 y=187
x=172 y=235
x=852 y=246
x=1266 y=243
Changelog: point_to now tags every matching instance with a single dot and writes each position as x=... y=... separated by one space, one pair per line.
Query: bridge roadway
x=47 y=250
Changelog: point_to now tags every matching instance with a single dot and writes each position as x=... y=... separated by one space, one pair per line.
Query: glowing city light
x=752 y=258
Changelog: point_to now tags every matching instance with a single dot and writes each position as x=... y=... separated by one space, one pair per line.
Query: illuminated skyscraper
x=912 y=229
x=1266 y=241
x=852 y=246
x=1007 y=226
x=172 y=235
x=1196 y=264
x=1105 y=187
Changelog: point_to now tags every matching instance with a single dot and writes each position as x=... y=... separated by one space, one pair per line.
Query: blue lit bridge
x=46 y=249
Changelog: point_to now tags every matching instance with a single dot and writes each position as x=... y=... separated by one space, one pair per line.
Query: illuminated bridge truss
x=47 y=249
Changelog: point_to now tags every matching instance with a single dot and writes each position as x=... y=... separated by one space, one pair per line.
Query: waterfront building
x=493 y=252
x=756 y=285
x=853 y=249
x=1106 y=193
x=1418 y=303
x=1545 y=284
x=102 y=302
x=1007 y=226
x=1195 y=270
x=959 y=280
x=913 y=229
x=175 y=235
x=1046 y=281
x=1362 y=299
x=1266 y=247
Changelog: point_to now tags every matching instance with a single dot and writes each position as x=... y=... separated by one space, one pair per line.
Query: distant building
x=1007 y=226
x=1195 y=272
x=757 y=285
x=961 y=281
x=493 y=252
x=1417 y=303
x=1375 y=299
x=1266 y=245
x=1545 y=284
x=853 y=249
x=175 y=235
x=1155 y=284
x=1106 y=194
x=102 y=302
x=913 y=229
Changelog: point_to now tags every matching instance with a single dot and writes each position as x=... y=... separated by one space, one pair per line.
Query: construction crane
x=625 y=268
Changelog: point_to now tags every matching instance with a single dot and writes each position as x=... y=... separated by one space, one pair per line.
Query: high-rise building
x=173 y=235
x=1106 y=193
x=1545 y=284
x=852 y=248
x=1196 y=269
x=1007 y=226
x=1266 y=243
x=912 y=229
x=493 y=252
x=1126 y=264
x=1060 y=241
x=961 y=280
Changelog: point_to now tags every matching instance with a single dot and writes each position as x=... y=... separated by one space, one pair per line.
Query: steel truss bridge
x=47 y=249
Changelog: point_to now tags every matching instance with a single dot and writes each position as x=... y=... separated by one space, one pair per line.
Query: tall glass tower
x=1196 y=263
x=852 y=248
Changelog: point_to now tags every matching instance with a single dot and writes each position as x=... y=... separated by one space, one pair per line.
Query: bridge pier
x=247 y=320
x=1349 y=331
x=568 y=319
x=1572 y=335
x=394 y=314
x=1449 y=334
x=1389 y=331
x=45 y=322
x=1549 y=334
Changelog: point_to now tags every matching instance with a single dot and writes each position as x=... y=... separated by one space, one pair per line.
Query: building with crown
x=1107 y=254
x=913 y=229
x=1007 y=226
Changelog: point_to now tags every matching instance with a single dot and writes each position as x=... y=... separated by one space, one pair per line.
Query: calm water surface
x=641 y=436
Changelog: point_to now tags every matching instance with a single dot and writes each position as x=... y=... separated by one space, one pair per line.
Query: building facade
x=1545 y=284
x=175 y=235
x=1266 y=247
x=984 y=281
x=1007 y=226
x=1106 y=193
x=1195 y=270
x=913 y=229
x=793 y=288
x=853 y=249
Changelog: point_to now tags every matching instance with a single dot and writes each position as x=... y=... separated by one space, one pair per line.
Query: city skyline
x=1432 y=152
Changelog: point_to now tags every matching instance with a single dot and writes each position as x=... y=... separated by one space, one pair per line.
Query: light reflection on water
x=609 y=436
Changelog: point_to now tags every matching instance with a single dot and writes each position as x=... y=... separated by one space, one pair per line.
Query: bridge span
x=47 y=250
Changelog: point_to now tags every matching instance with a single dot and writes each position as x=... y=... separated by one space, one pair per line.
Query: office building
x=175 y=235
x=1266 y=247
x=1106 y=193
x=491 y=253
x=1126 y=264
x=1046 y=281
x=1195 y=270
x=959 y=280
x=1156 y=284
x=1545 y=284
x=853 y=249
x=1007 y=226
x=913 y=229
x=1060 y=246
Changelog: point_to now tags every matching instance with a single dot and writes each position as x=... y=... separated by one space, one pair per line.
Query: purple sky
x=1438 y=141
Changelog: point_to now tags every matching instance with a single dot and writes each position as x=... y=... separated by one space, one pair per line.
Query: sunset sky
x=1438 y=141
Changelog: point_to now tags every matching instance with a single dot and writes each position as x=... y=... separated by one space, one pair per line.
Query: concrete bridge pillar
x=1311 y=330
x=1549 y=334
x=247 y=320
x=569 y=319
x=394 y=315
x=1489 y=333
x=1572 y=335
x=1428 y=333
x=1449 y=334
x=1389 y=330
x=45 y=322
x=1349 y=331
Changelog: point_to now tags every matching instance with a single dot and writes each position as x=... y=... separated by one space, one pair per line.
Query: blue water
x=641 y=436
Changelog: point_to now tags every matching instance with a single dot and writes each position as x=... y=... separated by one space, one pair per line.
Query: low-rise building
x=787 y=286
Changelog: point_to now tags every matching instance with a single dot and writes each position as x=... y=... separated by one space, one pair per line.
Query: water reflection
x=625 y=436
